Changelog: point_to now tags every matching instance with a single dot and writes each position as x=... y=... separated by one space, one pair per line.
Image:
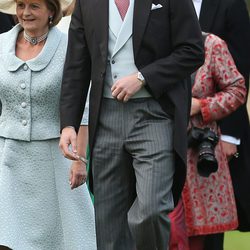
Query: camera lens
x=207 y=162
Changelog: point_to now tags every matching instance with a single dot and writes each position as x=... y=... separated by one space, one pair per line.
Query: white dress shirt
x=197 y=6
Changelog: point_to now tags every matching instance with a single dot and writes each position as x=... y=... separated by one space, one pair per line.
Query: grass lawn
x=236 y=240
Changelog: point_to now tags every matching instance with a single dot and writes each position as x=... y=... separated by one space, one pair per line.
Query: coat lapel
x=208 y=11
x=101 y=26
x=141 y=14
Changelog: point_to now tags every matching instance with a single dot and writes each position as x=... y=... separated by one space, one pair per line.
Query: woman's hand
x=78 y=174
x=230 y=150
x=195 y=106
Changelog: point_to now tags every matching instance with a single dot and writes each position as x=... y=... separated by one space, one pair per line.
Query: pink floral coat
x=209 y=202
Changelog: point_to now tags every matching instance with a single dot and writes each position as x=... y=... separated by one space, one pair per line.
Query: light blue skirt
x=38 y=210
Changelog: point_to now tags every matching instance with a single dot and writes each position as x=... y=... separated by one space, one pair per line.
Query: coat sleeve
x=238 y=36
x=187 y=50
x=228 y=83
x=77 y=71
x=237 y=28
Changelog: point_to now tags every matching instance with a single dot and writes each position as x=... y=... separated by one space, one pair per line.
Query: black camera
x=205 y=141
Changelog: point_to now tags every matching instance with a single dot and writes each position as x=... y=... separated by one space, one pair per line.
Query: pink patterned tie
x=122 y=6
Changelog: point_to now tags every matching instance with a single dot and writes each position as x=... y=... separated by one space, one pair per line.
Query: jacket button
x=113 y=62
x=24 y=122
x=23 y=85
x=25 y=67
x=23 y=104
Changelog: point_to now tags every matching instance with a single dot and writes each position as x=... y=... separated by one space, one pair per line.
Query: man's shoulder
x=228 y=4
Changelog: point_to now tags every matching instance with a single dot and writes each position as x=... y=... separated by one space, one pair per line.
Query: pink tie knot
x=122 y=6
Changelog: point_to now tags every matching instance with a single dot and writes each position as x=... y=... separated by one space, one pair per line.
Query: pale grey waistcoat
x=120 y=49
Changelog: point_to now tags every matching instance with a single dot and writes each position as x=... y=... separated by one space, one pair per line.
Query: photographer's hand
x=195 y=107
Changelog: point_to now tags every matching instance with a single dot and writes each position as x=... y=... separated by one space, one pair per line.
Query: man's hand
x=68 y=137
x=78 y=174
x=124 y=88
x=195 y=106
x=229 y=149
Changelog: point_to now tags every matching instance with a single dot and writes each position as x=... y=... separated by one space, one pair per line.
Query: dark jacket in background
x=229 y=19
x=6 y=22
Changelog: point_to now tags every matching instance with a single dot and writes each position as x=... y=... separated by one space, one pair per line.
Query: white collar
x=35 y=64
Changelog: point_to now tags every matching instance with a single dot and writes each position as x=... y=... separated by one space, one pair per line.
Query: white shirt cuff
x=230 y=139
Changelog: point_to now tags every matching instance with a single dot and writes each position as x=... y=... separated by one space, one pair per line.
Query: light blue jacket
x=29 y=91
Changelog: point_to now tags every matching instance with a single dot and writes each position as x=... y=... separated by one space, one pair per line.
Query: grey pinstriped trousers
x=133 y=167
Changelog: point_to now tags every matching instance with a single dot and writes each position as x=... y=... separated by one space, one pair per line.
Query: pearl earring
x=50 y=20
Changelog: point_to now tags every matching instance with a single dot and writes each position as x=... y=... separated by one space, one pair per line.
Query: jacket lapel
x=101 y=26
x=208 y=11
x=141 y=14
x=125 y=30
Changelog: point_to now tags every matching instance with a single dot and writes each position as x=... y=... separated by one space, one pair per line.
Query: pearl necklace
x=35 y=40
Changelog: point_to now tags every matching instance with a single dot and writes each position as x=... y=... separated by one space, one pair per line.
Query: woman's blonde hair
x=69 y=10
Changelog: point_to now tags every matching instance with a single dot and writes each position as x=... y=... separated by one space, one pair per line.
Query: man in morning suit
x=229 y=19
x=139 y=56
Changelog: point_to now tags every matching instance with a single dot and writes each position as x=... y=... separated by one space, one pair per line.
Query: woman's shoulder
x=63 y=25
x=56 y=42
x=8 y=38
x=58 y=34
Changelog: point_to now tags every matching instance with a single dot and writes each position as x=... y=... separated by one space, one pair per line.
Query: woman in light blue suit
x=38 y=209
